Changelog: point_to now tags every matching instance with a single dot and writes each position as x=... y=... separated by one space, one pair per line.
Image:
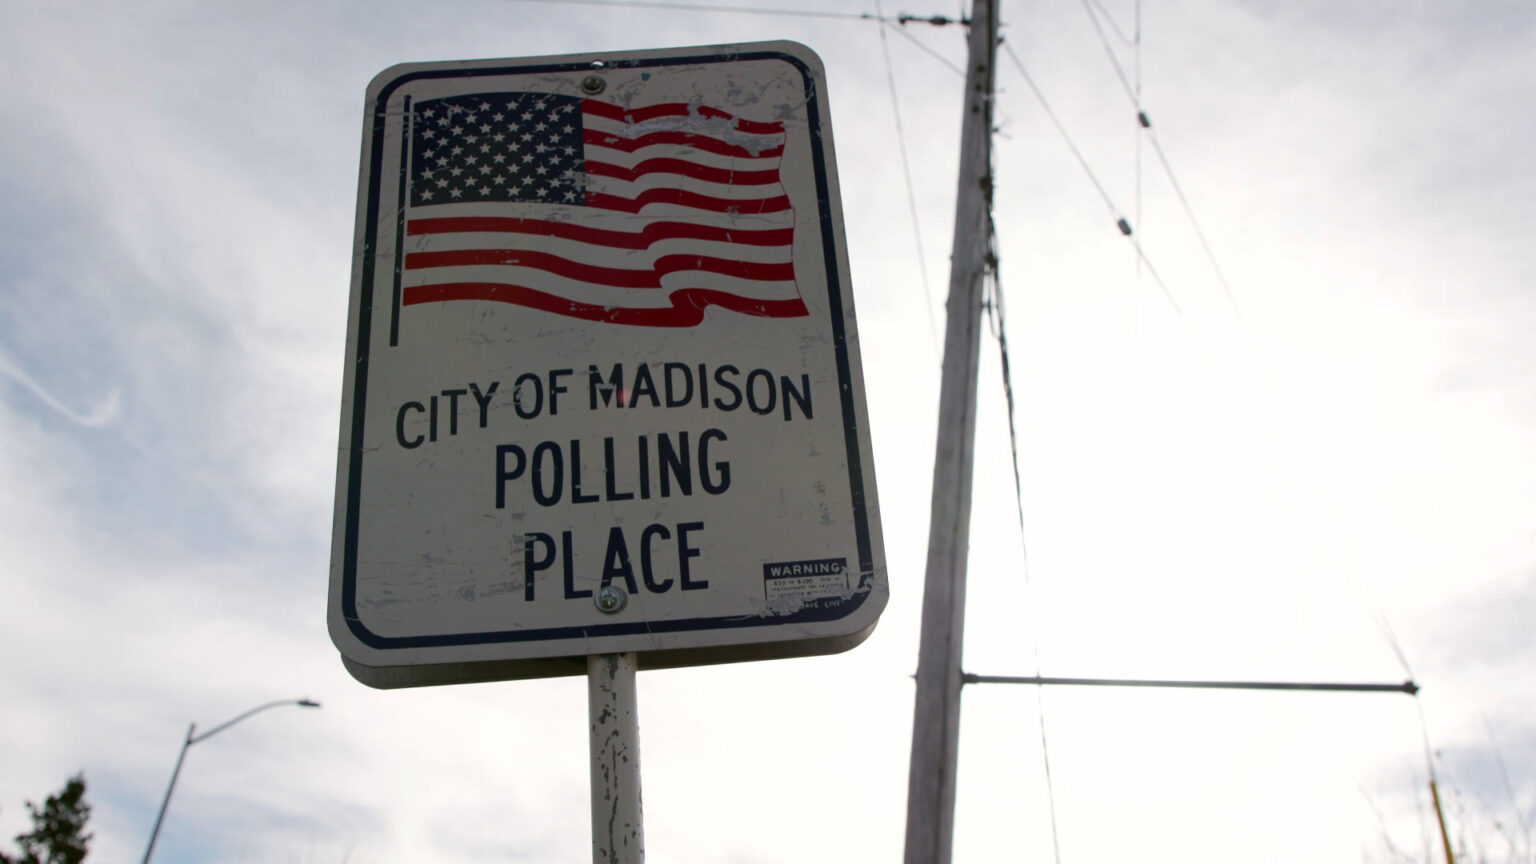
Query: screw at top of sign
x=610 y=599
x=592 y=85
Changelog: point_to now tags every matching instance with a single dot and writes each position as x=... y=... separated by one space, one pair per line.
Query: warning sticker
x=823 y=577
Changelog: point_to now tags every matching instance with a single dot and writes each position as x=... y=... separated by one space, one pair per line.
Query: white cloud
x=1200 y=499
x=99 y=414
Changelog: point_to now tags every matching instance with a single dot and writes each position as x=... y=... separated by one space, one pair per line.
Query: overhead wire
x=1134 y=94
x=997 y=320
x=1129 y=40
x=995 y=308
x=1396 y=852
x=1509 y=789
x=708 y=7
x=1136 y=53
x=906 y=173
x=1429 y=751
x=1120 y=220
x=1189 y=211
x=885 y=22
x=1391 y=637
x=993 y=303
x=1115 y=61
x=950 y=64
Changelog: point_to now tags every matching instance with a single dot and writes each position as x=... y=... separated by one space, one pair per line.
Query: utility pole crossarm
x=1408 y=687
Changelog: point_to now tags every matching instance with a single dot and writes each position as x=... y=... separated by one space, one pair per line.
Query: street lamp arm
x=191 y=739
x=305 y=703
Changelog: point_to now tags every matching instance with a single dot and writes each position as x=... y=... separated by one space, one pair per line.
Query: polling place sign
x=602 y=388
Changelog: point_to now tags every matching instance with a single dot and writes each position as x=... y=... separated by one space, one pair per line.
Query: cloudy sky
x=1261 y=485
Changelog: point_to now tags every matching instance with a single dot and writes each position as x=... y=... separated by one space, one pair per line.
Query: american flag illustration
x=643 y=216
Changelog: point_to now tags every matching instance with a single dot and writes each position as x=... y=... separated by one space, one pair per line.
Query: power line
x=936 y=20
x=906 y=173
x=925 y=49
x=705 y=7
x=1509 y=789
x=1136 y=54
x=1115 y=61
x=878 y=16
x=1067 y=137
x=1129 y=40
x=1120 y=221
x=1391 y=637
x=902 y=18
x=1134 y=94
x=1189 y=211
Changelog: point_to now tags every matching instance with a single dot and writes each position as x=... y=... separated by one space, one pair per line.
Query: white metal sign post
x=603 y=393
x=614 y=744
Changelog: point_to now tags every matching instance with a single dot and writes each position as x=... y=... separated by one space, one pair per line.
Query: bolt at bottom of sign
x=610 y=599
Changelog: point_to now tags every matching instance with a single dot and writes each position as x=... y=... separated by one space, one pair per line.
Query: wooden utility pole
x=936 y=716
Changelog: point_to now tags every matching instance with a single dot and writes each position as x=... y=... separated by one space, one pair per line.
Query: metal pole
x=618 y=835
x=1445 y=837
x=1321 y=686
x=936 y=713
x=165 y=802
x=193 y=738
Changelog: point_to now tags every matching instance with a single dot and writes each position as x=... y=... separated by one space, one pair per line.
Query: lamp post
x=193 y=738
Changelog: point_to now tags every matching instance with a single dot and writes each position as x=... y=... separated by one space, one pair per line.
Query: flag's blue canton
x=497 y=147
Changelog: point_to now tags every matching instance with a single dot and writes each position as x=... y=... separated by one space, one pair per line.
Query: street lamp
x=193 y=738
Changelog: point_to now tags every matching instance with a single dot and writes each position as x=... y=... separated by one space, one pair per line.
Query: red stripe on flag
x=687 y=309
x=684 y=168
x=615 y=276
x=684 y=198
x=593 y=137
x=646 y=237
x=677 y=109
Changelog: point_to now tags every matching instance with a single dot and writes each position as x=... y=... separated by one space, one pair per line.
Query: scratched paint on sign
x=603 y=338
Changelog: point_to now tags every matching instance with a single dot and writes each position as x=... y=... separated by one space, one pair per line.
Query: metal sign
x=602 y=390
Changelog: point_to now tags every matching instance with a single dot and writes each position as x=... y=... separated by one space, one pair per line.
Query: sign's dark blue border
x=359 y=370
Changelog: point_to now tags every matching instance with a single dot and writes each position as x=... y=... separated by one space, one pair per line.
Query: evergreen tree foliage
x=58 y=829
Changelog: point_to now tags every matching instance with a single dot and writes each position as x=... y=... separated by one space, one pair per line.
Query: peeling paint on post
x=618 y=836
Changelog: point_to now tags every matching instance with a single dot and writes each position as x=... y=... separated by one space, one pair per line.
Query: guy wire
x=998 y=321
